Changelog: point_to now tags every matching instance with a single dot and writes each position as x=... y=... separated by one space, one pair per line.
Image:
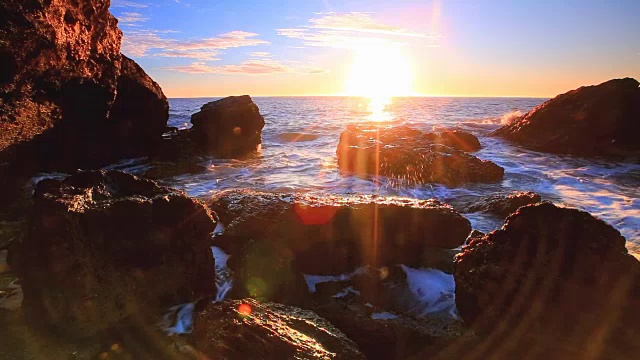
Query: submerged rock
x=104 y=246
x=414 y=157
x=591 y=120
x=501 y=204
x=555 y=275
x=228 y=127
x=329 y=234
x=249 y=329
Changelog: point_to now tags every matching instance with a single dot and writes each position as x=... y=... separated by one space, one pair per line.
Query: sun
x=380 y=72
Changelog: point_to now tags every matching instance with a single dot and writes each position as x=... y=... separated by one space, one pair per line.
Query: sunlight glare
x=380 y=72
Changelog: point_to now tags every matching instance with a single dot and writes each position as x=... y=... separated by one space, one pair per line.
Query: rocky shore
x=104 y=264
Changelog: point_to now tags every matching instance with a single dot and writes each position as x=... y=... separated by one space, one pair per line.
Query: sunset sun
x=380 y=73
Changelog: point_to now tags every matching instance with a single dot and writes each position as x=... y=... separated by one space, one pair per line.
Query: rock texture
x=104 y=246
x=591 y=120
x=249 y=329
x=229 y=127
x=334 y=234
x=557 y=275
x=501 y=204
x=414 y=157
x=67 y=97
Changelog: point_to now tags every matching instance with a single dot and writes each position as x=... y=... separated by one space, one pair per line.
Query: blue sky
x=464 y=48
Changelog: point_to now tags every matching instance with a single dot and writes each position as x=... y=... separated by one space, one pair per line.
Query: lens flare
x=244 y=310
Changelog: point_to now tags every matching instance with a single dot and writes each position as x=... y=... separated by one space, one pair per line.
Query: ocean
x=607 y=189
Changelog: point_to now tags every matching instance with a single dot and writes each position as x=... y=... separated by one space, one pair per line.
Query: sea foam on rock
x=552 y=281
x=414 y=157
x=105 y=245
x=591 y=120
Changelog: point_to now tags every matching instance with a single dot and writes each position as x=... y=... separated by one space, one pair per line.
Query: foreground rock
x=104 y=246
x=228 y=127
x=501 y=204
x=591 y=120
x=555 y=275
x=249 y=329
x=414 y=157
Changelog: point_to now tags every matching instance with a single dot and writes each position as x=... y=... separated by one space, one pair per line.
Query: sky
x=529 y=48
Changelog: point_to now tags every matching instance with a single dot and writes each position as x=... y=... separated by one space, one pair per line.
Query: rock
x=411 y=156
x=140 y=113
x=555 y=274
x=164 y=170
x=105 y=245
x=591 y=120
x=457 y=139
x=229 y=127
x=296 y=137
x=502 y=204
x=249 y=329
x=329 y=234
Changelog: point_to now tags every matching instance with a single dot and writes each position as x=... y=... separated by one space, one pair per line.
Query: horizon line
x=360 y=96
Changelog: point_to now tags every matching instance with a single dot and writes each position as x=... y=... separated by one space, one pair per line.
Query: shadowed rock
x=249 y=329
x=555 y=277
x=104 y=246
x=501 y=204
x=413 y=157
x=228 y=127
x=591 y=120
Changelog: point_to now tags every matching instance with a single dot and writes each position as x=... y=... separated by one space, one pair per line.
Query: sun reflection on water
x=378 y=109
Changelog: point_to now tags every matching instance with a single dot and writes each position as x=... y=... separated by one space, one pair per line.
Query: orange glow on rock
x=244 y=309
x=314 y=215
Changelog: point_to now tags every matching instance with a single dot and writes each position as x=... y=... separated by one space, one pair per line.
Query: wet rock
x=249 y=329
x=502 y=204
x=105 y=245
x=328 y=234
x=591 y=120
x=411 y=156
x=228 y=127
x=457 y=139
x=556 y=275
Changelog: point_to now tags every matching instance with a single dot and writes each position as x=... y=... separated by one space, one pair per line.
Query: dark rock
x=296 y=137
x=412 y=156
x=249 y=329
x=325 y=234
x=555 y=274
x=103 y=246
x=502 y=204
x=140 y=112
x=229 y=127
x=591 y=120
x=457 y=139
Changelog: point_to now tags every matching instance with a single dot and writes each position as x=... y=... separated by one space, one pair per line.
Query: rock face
x=249 y=329
x=229 y=127
x=328 y=234
x=103 y=246
x=61 y=72
x=558 y=275
x=502 y=204
x=414 y=157
x=591 y=120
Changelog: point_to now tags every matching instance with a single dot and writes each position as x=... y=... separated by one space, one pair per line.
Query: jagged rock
x=228 y=127
x=331 y=234
x=457 y=139
x=249 y=329
x=412 y=156
x=591 y=120
x=557 y=275
x=104 y=246
x=501 y=204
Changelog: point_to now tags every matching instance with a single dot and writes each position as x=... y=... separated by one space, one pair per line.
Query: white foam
x=433 y=289
x=178 y=320
x=346 y=291
x=224 y=278
x=383 y=316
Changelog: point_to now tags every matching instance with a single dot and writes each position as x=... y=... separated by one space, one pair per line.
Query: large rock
x=591 y=120
x=104 y=246
x=68 y=100
x=229 y=127
x=556 y=275
x=330 y=234
x=413 y=157
x=501 y=204
x=249 y=329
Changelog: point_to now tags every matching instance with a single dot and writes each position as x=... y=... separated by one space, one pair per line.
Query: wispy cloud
x=248 y=67
x=352 y=29
x=260 y=54
x=154 y=43
x=124 y=4
x=128 y=18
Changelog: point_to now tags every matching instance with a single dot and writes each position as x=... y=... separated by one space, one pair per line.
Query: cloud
x=128 y=18
x=154 y=43
x=124 y=4
x=354 y=29
x=260 y=54
x=248 y=67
